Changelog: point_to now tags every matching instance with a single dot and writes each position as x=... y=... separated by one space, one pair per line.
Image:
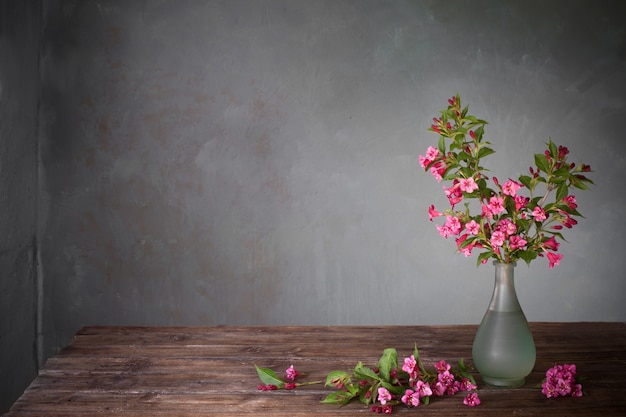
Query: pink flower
x=384 y=395
x=551 y=244
x=539 y=214
x=442 y=366
x=453 y=193
x=454 y=224
x=433 y=213
x=432 y=154
x=571 y=202
x=423 y=389
x=497 y=238
x=411 y=398
x=554 y=259
x=507 y=226
x=387 y=409
x=510 y=187
x=290 y=385
x=438 y=170
x=517 y=242
x=471 y=400
x=521 y=202
x=496 y=205
x=466 y=385
x=472 y=227
x=291 y=373
x=409 y=364
x=468 y=185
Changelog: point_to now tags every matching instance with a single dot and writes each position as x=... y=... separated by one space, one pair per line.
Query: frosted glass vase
x=504 y=350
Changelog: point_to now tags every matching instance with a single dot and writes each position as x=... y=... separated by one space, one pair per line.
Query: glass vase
x=504 y=350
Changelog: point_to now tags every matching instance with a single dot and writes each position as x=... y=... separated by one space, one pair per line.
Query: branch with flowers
x=387 y=385
x=507 y=226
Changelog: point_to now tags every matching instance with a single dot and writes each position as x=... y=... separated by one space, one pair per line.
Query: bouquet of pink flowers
x=506 y=225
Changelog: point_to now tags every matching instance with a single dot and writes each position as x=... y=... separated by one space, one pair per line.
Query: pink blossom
x=486 y=212
x=387 y=409
x=444 y=231
x=471 y=399
x=438 y=170
x=432 y=154
x=454 y=224
x=290 y=385
x=423 y=389
x=468 y=185
x=384 y=395
x=510 y=187
x=521 y=202
x=411 y=398
x=442 y=366
x=497 y=238
x=569 y=222
x=496 y=205
x=539 y=214
x=571 y=202
x=472 y=227
x=439 y=388
x=554 y=259
x=466 y=385
x=507 y=226
x=466 y=250
x=409 y=364
x=291 y=373
x=433 y=213
x=551 y=244
x=517 y=242
x=453 y=193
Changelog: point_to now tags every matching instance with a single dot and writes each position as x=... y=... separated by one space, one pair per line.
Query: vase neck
x=504 y=297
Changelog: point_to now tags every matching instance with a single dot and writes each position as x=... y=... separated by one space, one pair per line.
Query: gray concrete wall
x=19 y=93
x=255 y=162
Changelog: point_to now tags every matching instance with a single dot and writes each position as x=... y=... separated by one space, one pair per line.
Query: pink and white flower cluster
x=561 y=381
x=508 y=225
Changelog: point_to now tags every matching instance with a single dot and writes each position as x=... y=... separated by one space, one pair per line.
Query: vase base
x=504 y=383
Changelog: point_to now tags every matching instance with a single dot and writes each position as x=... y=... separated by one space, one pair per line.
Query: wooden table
x=209 y=371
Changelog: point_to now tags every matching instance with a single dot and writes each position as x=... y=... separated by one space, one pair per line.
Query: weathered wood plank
x=178 y=371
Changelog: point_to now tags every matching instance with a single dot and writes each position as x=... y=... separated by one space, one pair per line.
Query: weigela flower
x=291 y=373
x=471 y=399
x=384 y=395
x=410 y=398
x=561 y=381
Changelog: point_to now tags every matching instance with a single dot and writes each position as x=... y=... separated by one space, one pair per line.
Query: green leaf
x=361 y=371
x=388 y=361
x=525 y=179
x=484 y=151
x=442 y=145
x=542 y=162
x=484 y=255
x=337 y=377
x=339 y=397
x=269 y=377
x=561 y=191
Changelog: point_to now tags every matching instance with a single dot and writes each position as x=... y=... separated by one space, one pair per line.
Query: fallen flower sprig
x=387 y=385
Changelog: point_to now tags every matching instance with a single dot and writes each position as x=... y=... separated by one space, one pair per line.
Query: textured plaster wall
x=19 y=93
x=255 y=162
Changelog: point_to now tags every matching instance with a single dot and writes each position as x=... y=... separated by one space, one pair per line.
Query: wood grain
x=189 y=371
